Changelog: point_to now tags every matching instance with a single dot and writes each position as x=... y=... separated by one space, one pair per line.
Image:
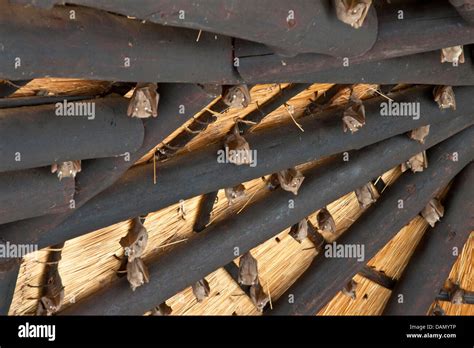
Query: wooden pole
x=377 y=226
x=38 y=136
x=429 y=267
x=8 y=277
x=421 y=68
x=193 y=259
x=179 y=103
x=465 y=9
x=104 y=46
x=293 y=27
x=34 y=192
x=395 y=38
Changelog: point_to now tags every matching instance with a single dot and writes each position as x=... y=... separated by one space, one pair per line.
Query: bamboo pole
x=429 y=267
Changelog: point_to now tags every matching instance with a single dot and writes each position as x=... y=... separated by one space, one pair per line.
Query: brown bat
x=352 y=12
x=53 y=291
x=237 y=148
x=454 y=55
x=248 y=269
x=258 y=296
x=299 y=231
x=354 y=116
x=290 y=180
x=272 y=183
x=437 y=310
x=433 y=212
x=350 y=289
x=456 y=294
x=234 y=194
x=137 y=273
x=144 y=101
x=325 y=221
x=420 y=134
x=444 y=96
x=201 y=289
x=237 y=96
x=161 y=310
x=416 y=163
x=67 y=169
x=366 y=195
x=135 y=242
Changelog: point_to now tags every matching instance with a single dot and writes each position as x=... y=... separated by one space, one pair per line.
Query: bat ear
x=54 y=168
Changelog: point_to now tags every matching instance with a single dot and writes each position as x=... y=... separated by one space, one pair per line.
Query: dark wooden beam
x=465 y=9
x=28 y=193
x=216 y=246
x=36 y=136
x=431 y=263
x=421 y=68
x=104 y=46
x=278 y=148
x=376 y=227
x=8 y=277
x=16 y=102
x=179 y=103
x=315 y=27
x=426 y=26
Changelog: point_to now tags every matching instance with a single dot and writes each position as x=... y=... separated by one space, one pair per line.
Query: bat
x=299 y=231
x=237 y=148
x=353 y=117
x=433 y=212
x=234 y=194
x=352 y=12
x=290 y=180
x=137 y=273
x=136 y=240
x=258 y=296
x=366 y=195
x=53 y=293
x=161 y=310
x=420 y=134
x=248 y=269
x=444 y=96
x=325 y=221
x=67 y=169
x=201 y=289
x=350 y=289
x=456 y=294
x=237 y=96
x=454 y=55
x=416 y=163
x=144 y=101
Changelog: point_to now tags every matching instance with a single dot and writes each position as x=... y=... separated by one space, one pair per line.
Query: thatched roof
x=90 y=262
